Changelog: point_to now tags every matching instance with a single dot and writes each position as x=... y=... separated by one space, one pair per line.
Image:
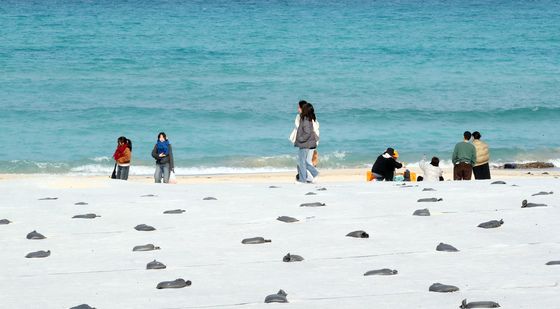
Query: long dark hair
x=125 y=141
x=162 y=134
x=302 y=103
x=307 y=111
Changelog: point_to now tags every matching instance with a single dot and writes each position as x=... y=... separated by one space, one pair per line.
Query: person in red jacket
x=122 y=157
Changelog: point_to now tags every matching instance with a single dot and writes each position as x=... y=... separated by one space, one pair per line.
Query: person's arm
x=473 y=155
x=306 y=129
x=155 y=155
x=397 y=164
x=125 y=158
x=171 y=162
x=454 y=158
x=422 y=163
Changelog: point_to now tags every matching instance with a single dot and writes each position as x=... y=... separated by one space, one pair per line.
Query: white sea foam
x=143 y=170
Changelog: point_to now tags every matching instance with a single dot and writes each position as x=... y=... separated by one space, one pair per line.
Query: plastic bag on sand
x=172 y=178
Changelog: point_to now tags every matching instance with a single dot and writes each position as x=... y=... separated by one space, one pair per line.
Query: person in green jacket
x=464 y=158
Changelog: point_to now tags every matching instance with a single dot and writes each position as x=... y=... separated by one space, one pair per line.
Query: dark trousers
x=462 y=171
x=122 y=172
x=482 y=171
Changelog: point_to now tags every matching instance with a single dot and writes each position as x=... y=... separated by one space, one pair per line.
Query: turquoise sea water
x=222 y=79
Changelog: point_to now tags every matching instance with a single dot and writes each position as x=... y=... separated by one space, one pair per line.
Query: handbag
x=114 y=174
x=293 y=136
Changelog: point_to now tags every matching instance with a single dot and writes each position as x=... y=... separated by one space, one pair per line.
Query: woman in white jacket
x=432 y=171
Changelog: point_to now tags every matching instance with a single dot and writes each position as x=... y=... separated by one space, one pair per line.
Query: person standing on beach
x=122 y=157
x=481 y=168
x=464 y=158
x=314 y=156
x=306 y=141
x=385 y=165
x=163 y=154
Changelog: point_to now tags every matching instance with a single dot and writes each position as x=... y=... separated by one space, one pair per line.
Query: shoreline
x=326 y=176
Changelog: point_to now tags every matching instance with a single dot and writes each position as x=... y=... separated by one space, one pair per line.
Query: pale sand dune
x=92 y=261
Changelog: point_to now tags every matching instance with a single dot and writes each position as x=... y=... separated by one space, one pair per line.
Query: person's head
x=121 y=140
x=476 y=135
x=300 y=105
x=467 y=135
x=390 y=151
x=162 y=137
x=307 y=111
x=435 y=161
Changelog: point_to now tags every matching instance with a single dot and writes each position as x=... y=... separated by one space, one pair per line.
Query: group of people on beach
x=468 y=158
x=162 y=154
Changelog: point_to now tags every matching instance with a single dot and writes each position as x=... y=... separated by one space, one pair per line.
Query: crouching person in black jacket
x=385 y=165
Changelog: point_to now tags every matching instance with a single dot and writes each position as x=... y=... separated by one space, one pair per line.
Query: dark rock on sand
x=273 y=187
x=430 y=200
x=443 y=288
x=174 y=211
x=175 y=284
x=421 y=212
x=381 y=272
x=446 y=248
x=310 y=193
x=81 y=203
x=85 y=216
x=5 y=221
x=148 y=195
x=279 y=297
x=479 y=304
x=543 y=193
x=38 y=254
x=255 y=240
x=209 y=198
x=83 y=306
x=553 y=263
x=499 y=182
x=524 y=204
x=48 y=199
x=155 y=265
x=491 y=224
x=358 y=234
x=148 y=247
x=144 y=228
x=322 y=189
x=428 y=189
x=316 y=204
x=287 y=219
x=35 y=235
x=292 y=258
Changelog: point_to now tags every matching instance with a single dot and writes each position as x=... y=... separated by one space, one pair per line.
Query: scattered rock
x=543 y=193
x=499 y=182
x=292 y=258
x=155 y=265
x=5 y=221
x=255 y=240
x=81 y=203
x=428 y=189
x=381 y=272
x=524 y=204
x=287 y=219
x=209 y=198
x=358 y=234
x=174 y=211
x=421 y=212
x=446 y=248
x=479 y=304
x=553 y=263
x=35 y=235
x=310 y=193
x=279 y=297
x=322 y=189
x=83 y=306
x=175 y=284
x=85 y=216
x=38 y=254
x=443 y=288
x=144 y=228
x=48 y=199
x=430 y=200
x=491 y=224
x=148 y=247
x=316 y=204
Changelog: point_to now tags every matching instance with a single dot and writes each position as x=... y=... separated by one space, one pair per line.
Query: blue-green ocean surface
x=223 y=78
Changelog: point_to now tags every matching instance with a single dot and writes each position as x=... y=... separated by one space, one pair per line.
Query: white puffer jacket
x=482 y=152
x=431 y=173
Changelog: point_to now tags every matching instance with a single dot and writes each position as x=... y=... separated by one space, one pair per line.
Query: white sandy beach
x=92 y=261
